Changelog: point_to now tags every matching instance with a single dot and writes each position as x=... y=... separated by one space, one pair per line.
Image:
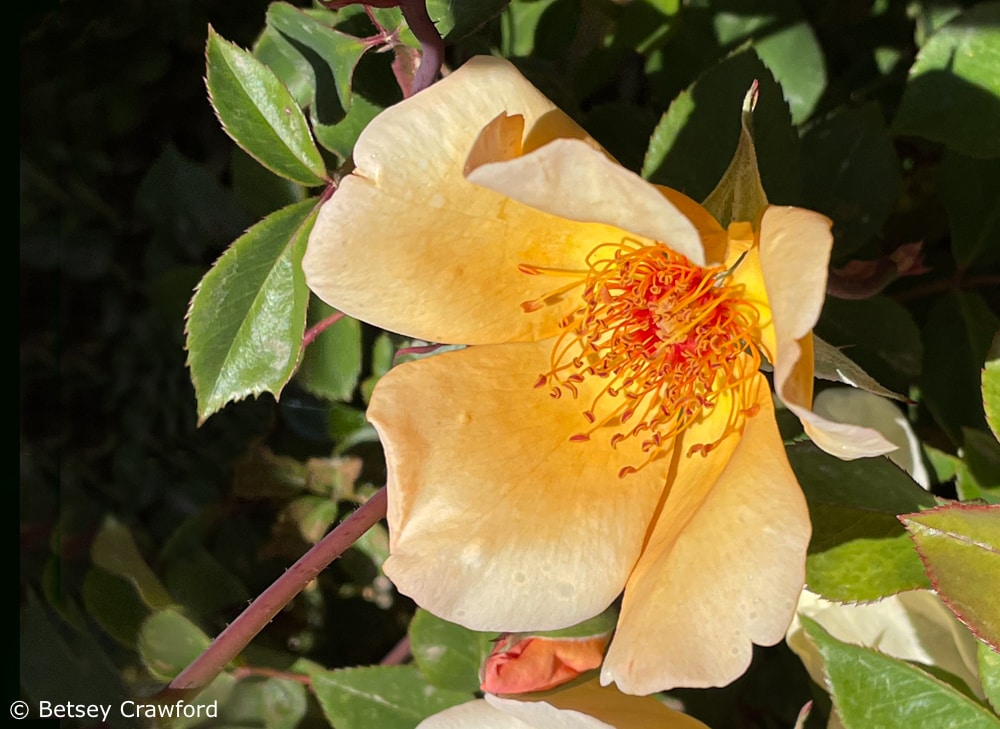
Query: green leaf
x=834 y=366
x=259 y=113
x=960 y=547
x=969 y=189
x=989 y=673
x=113 y=603
x=694 y=141
x=953 y=92
x=340 y=136
x=168 y=642
x=863 y=570
x=870 y=689
x=387 y=697
x=449 y=655
x=275 y=703
x=859 y=551
x=114 y=550
x=247 y=317
x=739 y=194
x=201 y=583
x=277 y=53
x=851 y=174
x=456 y=19
x=785 y=43
x=991 y=395
x=880 y=336
x=332 y=54
x=979 y=475
x=957 y=336
x=332 y=363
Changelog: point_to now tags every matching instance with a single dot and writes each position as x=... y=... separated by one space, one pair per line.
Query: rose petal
x=795 y=249
x=530 y=532
x=705 y=590
x=572 y=180
x=408 y=244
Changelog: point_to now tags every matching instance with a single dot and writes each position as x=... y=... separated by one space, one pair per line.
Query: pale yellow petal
x=570 y=179
x=598 y=704
x=795 y=249
x=707 y=588
x=475 y=715
x=408 y=244
x=498 y=521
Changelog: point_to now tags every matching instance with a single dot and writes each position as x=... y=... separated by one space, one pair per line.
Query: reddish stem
x=319 y=327
x=415 y=12
x=399 y=653
x=231 y=641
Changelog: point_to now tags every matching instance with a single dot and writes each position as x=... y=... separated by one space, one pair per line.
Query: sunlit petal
x=706 y=588
x=533 y=531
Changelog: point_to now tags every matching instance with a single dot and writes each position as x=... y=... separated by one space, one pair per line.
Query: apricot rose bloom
x=608 y=429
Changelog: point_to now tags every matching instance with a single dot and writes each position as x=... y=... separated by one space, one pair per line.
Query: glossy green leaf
x=991 y=395
x=739 y=194
x=953 y=92
x=694 y=141
x=338 y=52
x=957 y=336
x=246 y=320
x=114 y=550
x=339 y=137
x=850 y=174
x=277 y=53
x=456 y=19
x=969 y=190
x=168 y=642
x=449 y=655
x=960 y=547
x=785 y=43
x=331 y=365
x=870 y=689
x=388 y=697
x=259 y=113
x=859 y=551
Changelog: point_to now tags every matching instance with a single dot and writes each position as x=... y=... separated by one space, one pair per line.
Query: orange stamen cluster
x=672 y=341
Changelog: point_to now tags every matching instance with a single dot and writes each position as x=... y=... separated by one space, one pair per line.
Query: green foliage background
x=141 y=533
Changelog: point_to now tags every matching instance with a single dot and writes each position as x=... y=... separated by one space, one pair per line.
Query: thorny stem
x=319 y=327
x=231 y=641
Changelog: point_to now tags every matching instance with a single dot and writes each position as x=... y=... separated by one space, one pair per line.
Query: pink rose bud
x=522 y=664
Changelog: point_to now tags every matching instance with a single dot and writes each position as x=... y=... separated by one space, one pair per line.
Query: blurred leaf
x=545 y=28
x=202 y=585
x=953 y=92
x=382 y=354
x=113 y=603
x=850 y=173
x=991 y=395
x=859 y=551
x=957 y=336
x=168 y=642
x=878 y=334
x=960 y=547
x=259 y=113
x=785 y=43
x=455 y=19
x=311 y=515
x=694 y=141
x=245 y=324
x=870 y=689
x=345 y=420
x=981 y=454
x=448 y=655
x=274 y=703
x=989 y=673
x=387 y=697
x=970 y=189
x=115 y=551
x=834 y=366
x=333 y=55
x=331 y=365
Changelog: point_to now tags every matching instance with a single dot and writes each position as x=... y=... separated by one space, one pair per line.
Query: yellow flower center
x=671 y=341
